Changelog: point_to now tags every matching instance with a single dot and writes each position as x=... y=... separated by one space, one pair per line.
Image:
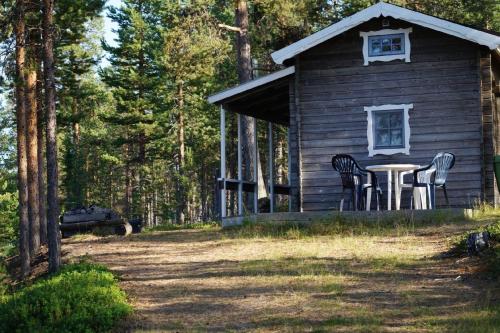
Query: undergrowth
x=491 y=256
x=173 y=227
x=398 y=225
x=81 y=297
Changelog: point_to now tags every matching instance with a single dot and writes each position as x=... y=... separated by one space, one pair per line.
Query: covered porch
x=254 y=173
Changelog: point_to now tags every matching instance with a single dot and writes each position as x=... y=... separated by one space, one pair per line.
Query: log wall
x=444 y=83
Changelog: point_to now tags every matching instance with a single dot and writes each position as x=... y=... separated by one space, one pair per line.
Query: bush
x=80 y=298
x=9 y=222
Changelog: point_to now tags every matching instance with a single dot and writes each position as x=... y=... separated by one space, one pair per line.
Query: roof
x=250 y=85
x=491 y=40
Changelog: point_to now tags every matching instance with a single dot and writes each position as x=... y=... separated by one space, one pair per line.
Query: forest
x=134 y=129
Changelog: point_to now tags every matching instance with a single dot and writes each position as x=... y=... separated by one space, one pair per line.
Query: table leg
x=389 y=189
x=397 y=189
x=369 y=193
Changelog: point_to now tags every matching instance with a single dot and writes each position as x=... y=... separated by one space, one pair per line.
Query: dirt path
x=186 y=281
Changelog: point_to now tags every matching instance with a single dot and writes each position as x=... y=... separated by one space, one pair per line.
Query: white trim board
x=251 y=85
x=372 y=151
x=386 y=10
x=403 y=56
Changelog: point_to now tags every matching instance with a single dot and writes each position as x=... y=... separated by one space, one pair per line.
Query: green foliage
x=396 y=224
x=491 y=256
x=194 y=226
x=9 y=221
x=82 y=297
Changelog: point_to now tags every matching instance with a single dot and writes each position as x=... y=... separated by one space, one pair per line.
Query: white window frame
x=403 y=56
x=372 y=151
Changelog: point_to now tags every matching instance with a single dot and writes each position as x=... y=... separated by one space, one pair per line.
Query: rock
x=477 y=242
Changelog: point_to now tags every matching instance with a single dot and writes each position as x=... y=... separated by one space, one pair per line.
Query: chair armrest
x=401 y=177
x=416 y=172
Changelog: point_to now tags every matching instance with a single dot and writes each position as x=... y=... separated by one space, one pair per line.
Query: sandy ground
x=195 y=280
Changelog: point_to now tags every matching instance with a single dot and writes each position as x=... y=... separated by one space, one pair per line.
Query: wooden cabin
x=439 y=79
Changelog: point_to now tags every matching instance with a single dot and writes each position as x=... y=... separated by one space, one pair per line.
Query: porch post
x=223 y=161
x=240 y=175
x=289 y=170
x=256 y=170
x=271 y=168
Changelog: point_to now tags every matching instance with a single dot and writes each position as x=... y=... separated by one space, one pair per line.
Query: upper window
x=386 y=45
x=388 y=129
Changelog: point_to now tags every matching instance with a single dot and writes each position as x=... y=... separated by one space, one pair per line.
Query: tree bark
x=53 y=234
x=32 y=146
x=245 y=74
x=22 y=163
x=128 y=181
x=42 y=201
x=181 y=200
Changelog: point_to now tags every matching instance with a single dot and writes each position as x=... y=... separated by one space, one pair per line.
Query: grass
x=400 y=224
x=345 y=275
x=188 y=226
x=82 y=297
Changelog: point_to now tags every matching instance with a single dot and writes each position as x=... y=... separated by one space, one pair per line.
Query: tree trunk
x=244 y=75
x=32 y=145
x=181 y=200
x=22 y=163
x=53 y=235
x=128 y=182
x=42 y=201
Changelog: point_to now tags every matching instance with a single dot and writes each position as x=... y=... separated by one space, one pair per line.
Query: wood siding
x=443 y=81
x=489 y=129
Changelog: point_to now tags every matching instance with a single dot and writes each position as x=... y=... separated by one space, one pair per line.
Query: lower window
x=388 y=129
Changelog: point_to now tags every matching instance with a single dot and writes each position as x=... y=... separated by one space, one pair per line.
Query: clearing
x=353 y=281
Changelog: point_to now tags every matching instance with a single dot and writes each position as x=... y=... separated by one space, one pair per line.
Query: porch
x=250 y=186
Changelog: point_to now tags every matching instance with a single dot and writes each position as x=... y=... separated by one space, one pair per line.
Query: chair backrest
x=348 y=169
x=443 y=162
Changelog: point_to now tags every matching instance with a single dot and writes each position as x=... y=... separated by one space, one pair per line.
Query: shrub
x=80 y=298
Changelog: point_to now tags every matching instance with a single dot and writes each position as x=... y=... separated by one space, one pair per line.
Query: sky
x=108 y=24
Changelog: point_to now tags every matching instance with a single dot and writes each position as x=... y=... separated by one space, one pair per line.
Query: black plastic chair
x=440 y=166
x=352 y=179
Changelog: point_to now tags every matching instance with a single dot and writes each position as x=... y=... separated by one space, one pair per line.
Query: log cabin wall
x=443 y=81
x=495 y=98
x=490 y=131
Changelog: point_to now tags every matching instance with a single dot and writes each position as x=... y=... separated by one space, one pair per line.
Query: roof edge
x=225 y=94
x=385 y=9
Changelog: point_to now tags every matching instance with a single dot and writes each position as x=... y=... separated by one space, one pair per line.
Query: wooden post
x=271 y=168
x=289 y=170
x=256 y=170
x=223 y=161
x=240 y=175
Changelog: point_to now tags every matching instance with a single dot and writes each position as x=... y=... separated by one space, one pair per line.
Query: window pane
x=386 y=45
x=382 y=138
x=376 y=47
x=381 y=120
x=396 y=138
x=397 y=120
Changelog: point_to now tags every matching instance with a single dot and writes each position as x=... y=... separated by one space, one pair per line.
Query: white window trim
x=371 y=140
x=404 y=56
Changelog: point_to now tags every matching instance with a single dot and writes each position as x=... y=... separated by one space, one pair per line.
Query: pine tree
x=193 y=49
x=132 y=76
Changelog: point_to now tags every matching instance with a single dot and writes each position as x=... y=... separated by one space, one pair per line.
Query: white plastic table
x=393 y=171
